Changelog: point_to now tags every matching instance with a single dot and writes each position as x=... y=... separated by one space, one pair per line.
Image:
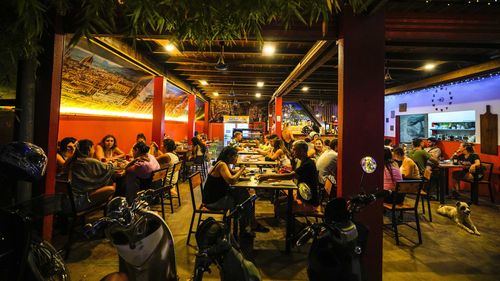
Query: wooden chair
x=424 y=194
x=412 y=187
x=158 y=184
x=486 y=179
x=170 y=182
x=74 y=214
x=195 y=183
x=329 y=187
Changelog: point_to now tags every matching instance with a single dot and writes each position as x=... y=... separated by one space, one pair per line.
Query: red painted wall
x=125 y=130
x=199 y=126
x=216 y=131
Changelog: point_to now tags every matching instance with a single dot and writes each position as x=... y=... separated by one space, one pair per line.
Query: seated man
x=236 y=141
x=304 y=172
x=91 y=180
x=140 y=168
x=327 y=164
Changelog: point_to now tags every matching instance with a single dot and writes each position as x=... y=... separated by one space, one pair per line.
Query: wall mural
x=257 y=111
x=200 y=109
x=293 y=113
x=96 y=82
x=412 y=126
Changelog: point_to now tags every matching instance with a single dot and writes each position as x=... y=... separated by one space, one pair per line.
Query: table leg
x=443 y=184
x=474 y=189
x=289 y=223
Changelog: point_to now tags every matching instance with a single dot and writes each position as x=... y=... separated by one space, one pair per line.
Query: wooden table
x=443 y=178
x=276 y=185
x=249 y=160
x=248 y=152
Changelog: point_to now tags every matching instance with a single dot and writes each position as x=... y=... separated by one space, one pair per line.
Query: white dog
x=461 y=215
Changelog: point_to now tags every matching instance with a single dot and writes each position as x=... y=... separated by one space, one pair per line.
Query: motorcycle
x=23 y=254
x=339 y=241
x=218 y=246
x=143 y=240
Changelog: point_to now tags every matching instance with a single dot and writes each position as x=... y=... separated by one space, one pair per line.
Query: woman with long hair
x=65 y=151
x=108 y=149
x=392 y=174
x=279 y=152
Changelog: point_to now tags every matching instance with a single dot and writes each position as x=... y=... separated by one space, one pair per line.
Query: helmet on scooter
x=118 y=209
x=23 y=161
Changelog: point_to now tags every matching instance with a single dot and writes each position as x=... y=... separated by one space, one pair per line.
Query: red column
x=191 y=116
x=158 y=123
x=47 y=103
x=279 y=115
x=205 y=125
x=361 y=119
x=270 y=122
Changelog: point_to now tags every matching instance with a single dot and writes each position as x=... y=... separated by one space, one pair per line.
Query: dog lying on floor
x=460 y=214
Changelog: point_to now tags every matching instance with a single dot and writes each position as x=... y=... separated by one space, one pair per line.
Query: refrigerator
x=231 y=123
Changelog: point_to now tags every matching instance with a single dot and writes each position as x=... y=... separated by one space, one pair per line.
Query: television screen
x=412 y=126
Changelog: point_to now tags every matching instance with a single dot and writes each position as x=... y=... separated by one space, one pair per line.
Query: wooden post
x=361 y=120
x=191 y=116
x=279 y=115
x=205 y=125
x=47 y=103
x=158 y=123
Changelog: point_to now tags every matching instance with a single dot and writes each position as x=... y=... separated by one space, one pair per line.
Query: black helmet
x=22 y=161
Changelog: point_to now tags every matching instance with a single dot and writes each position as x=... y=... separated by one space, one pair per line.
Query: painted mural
x=200 y=109
x=95 y=82
x=257 y=111
x=294 y=113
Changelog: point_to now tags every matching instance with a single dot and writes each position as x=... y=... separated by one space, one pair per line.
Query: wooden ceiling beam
x=433 y=56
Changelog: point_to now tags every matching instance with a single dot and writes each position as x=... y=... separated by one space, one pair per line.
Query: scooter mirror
x=368 y=164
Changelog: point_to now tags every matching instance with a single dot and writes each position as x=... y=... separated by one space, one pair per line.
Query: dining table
x=275 y=185
x=444 y=167
x=249 y=160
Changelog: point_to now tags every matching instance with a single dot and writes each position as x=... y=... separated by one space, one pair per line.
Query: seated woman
x=317 y=150
x=153 y=147
x=108 y=149
x=65 y=152
x=391 y=176
x=278 y=152
x=139 y=169
x=168 y=159
x=199 y=149
x=408 y=168
x=217 y=193
x=465 y=155
x=287 y=136
x=91 y=180
x=304 y=172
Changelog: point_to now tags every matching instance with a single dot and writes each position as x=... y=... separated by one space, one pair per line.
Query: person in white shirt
x=327 y=164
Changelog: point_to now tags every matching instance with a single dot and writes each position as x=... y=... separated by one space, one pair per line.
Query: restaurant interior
x=394 y=71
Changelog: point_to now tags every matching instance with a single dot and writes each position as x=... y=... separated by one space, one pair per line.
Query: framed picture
x=412 y=126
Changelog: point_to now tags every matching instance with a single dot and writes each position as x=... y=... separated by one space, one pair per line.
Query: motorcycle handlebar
x=241 y=207
x=365 y=199
x=305 y=236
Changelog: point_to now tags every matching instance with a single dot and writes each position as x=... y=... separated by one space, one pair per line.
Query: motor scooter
x=339 y=241
x=143 y=240
x=216 y=245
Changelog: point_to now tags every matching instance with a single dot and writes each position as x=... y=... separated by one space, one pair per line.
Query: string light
x=463 y=81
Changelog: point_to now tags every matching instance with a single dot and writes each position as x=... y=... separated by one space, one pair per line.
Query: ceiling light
x=317 y=115
x=429 y=66
x=170 y=47
x=215 y=94
x=257 y=95
x=260 y=84
x=203 y=82
x=268 y=50
x=305 y=89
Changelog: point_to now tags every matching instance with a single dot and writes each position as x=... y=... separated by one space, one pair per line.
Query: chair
x=195 y=183
x=170 y=183
x=74 y=215
x=199 y=163
x=158 y=184
x=424 y=194
x=486 y=179
x=317 y=214
x=412 y=187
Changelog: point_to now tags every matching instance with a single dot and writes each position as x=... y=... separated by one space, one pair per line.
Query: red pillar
x=47 y=103
x=191 y=116
x=279 y=115
x=361 y=119
x=270 y=122
x=158 y=123
x=205 y=125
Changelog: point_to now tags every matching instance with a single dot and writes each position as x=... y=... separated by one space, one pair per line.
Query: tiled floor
x=447 y=252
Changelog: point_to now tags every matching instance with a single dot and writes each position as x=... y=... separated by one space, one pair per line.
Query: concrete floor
x=447 y=252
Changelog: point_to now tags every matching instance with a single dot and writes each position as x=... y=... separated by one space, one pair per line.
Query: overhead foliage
x=199 y=22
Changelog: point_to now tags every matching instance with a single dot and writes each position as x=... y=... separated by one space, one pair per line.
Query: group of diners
x=94 y=170
x=425 y=155
x=304 y=162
